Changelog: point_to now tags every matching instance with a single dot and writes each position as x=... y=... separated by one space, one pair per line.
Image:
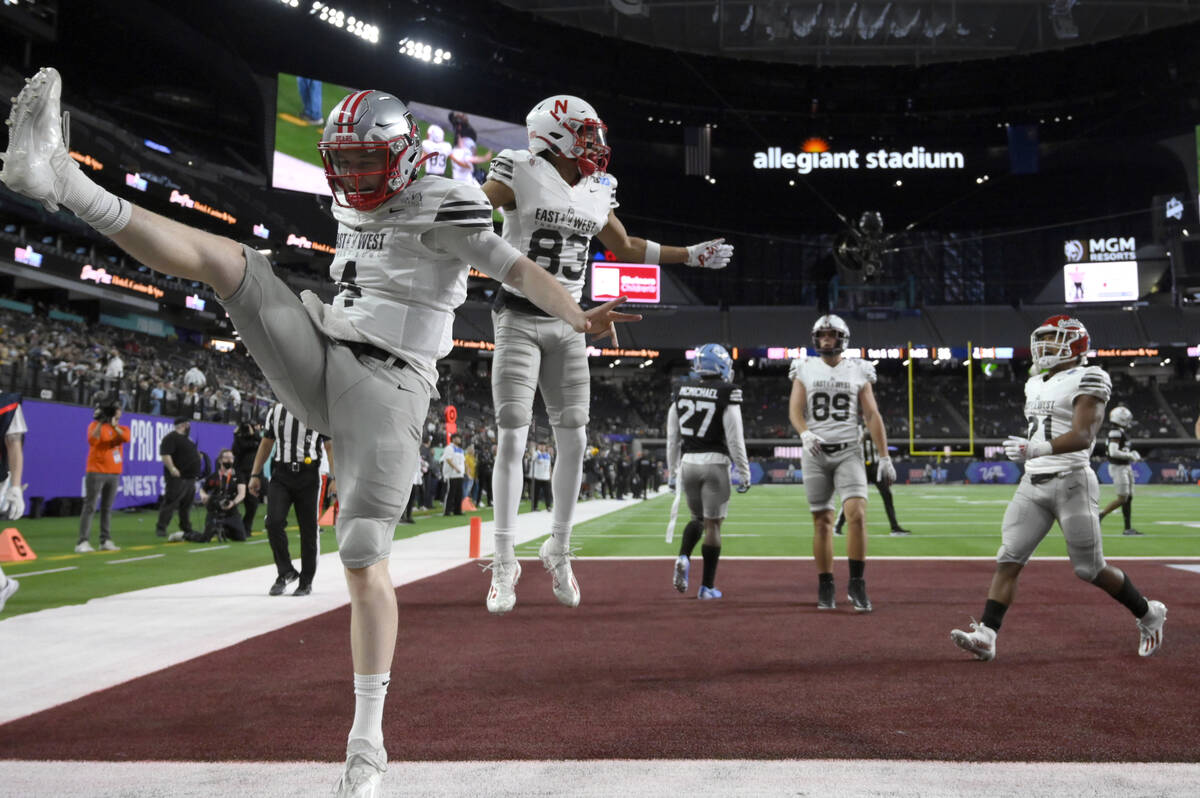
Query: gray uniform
x=1120 y=461
x=832 y=413
x=362 y=370
x=553 y=223
x=1060 y=487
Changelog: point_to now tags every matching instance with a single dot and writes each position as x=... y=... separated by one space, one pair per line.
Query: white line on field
x=208 y=548
x=51 y=571
x=135 y=559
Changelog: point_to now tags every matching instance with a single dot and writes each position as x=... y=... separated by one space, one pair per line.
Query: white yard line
x=61 y=654
x=603 y=778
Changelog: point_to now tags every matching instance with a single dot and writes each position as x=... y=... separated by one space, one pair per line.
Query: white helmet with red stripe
x=570 y=127
x=371 y=149
x=1059 y=339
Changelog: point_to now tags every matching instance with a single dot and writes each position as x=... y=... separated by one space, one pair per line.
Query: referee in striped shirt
x=295 y=480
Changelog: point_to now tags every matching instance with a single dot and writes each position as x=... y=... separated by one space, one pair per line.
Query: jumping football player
x=361 y=370
x=1065 y=408
x=1121 y=457
x=828 y=394
x=704 y=433
x=554 y=197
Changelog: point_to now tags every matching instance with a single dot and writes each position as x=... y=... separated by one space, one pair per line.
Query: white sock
x=506 y=484
x=569 y=443
x=3 y=578
x=105 y=212
x=370 y=691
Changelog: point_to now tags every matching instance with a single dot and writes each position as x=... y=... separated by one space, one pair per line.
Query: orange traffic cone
x=13 y=547
x=468 y=506
x=330 y=516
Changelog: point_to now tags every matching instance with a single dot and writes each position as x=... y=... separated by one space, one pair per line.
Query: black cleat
x=281 y=584
x=1131 y=531
x=837 y=530
x=899 y=532
x=825 y=599
x=302 y=590
x=856 y=591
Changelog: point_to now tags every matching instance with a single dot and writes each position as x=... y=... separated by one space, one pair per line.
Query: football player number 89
x=821 y=406
x=545 y=248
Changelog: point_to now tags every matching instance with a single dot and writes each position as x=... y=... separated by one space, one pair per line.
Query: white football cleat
x=980 y=641
x=682 y=566
x=1150 y=627
x=502 y=596
x=6 y=592
x=363 y=773
x=83 y=547
x=108 y=545
x=37 y=163
x=558 y=563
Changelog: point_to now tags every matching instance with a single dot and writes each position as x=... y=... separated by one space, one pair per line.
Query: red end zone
x=638 y=671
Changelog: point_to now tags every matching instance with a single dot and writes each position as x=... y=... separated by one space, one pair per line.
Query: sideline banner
x=56 y=451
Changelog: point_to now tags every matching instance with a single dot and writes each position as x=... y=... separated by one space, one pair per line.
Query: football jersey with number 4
x=553 y=222
x=1050 y=411
x=832 y=409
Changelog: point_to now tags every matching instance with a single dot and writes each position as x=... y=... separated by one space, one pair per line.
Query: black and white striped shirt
x=294 y=442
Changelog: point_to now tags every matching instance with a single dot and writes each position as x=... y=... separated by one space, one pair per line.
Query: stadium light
x=339 y=19
x=421 y=51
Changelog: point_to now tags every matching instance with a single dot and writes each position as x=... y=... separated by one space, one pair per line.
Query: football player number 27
x=545 y=248
x=689 y=408
x=837 y=407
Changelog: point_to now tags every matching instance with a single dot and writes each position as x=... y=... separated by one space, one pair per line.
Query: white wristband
x=653 y=252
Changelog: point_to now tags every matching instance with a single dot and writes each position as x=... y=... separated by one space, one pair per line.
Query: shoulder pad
x=463 y=205
x=868 y=370
x=796 y=369
x=501 y=167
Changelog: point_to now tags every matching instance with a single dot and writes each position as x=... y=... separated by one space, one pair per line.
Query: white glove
x=885 y=472
x=713 y=254
x=1134 y=455
x=12 y=503
x=1021 y=449
x=811 y=442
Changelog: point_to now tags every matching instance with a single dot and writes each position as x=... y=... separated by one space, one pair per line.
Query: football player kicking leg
x=1059 y=485
x=321 y=365
x=555 y=197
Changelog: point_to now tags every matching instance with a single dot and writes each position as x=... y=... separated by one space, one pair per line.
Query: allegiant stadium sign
x=808 y=162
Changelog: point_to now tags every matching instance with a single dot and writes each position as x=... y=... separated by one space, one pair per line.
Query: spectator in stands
x=115 y=369
x=105 y=439
x=181 y=467
x=194 y=377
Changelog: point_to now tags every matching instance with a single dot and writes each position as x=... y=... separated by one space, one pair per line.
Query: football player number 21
x=545 y=248
x=689 y=408
x=1033 y=427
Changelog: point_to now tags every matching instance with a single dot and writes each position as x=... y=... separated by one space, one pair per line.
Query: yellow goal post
x=912 y=435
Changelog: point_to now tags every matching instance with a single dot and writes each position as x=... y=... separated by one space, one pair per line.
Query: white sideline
x=62 y=654
x=603 y=778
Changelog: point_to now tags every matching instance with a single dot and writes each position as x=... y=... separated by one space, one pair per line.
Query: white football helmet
x=467 y=143
x=371 y=148
x=1121 y=416
x=570 y=127
x=435 y=133
x=831 y=322
x=1059 y=339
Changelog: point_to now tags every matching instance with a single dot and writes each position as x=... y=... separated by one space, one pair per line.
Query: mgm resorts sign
x=809 y=162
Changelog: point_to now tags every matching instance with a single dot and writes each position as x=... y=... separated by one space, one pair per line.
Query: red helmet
x=1059 y=339
x=371 y=149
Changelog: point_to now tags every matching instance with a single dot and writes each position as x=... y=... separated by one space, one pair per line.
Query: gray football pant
x=374 y=413
x=706 y=486
x=1071 y=499
x=103 y=486
x=842 y=471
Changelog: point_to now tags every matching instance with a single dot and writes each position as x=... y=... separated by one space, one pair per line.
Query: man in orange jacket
x=104 y=463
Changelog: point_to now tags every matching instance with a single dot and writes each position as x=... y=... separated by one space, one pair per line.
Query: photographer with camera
x=221 y=493
x=105 y=439
x=245 y=444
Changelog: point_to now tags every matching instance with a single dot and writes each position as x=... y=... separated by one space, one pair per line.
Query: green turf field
x=946 y=521
x=300 y=141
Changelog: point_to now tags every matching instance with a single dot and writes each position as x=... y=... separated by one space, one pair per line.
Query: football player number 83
x=545 y=247
x=689 y=408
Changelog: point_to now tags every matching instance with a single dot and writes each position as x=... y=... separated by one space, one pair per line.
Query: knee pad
x=512 y=415
x=1087 y=571
x=571 y=417
x=362 y=542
